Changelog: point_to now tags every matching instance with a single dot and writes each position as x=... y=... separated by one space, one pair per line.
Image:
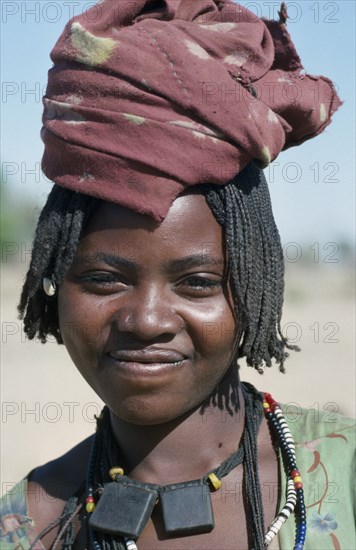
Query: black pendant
x=124 y=507
x=187 y=508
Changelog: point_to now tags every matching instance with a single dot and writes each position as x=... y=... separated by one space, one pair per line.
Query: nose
x=149 y=314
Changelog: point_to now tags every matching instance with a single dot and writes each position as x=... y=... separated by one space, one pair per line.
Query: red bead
x=267 y=411
x=294 y=473
x=89 y=499
x=268 y=397
x=272 y=403
x=298 y=485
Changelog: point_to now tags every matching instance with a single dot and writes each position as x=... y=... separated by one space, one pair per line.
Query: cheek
x=215 y=330
x=82 y=323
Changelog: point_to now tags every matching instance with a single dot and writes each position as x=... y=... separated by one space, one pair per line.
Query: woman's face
x=145 y=310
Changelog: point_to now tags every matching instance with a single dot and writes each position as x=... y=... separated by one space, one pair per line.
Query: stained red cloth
x=148 y=97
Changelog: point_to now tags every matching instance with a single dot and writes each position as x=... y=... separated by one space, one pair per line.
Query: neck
x=188 y=447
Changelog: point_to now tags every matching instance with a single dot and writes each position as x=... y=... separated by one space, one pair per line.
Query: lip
x=147 y=356
x=149 y=362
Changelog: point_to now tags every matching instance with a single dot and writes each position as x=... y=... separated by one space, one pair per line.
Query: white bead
x=130 y=544
x=48 y=286
x=291 y=500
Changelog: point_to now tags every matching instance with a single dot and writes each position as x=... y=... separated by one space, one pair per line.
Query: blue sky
x=312 y=186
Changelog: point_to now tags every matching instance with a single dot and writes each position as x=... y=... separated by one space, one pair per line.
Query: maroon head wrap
x=148 y=97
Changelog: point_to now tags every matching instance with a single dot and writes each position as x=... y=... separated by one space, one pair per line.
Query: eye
x=201 y=285
x=101 y=282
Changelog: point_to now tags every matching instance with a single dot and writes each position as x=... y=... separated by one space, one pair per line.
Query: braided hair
x=255 y=261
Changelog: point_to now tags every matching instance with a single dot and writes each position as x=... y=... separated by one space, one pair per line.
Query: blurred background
x=46 y=406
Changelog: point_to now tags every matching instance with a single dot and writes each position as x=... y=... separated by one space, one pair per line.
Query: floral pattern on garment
x=325 y=455
x=17 y=530
x=322 y=524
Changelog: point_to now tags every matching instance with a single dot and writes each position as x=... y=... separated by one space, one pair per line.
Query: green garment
x=17 y=530
x=325 y=454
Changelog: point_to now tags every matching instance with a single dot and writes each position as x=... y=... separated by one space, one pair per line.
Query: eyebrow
x=180 y=264
x=110 y=259
x=195 y=260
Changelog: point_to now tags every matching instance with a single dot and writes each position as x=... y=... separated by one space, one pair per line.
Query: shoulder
x=325 y=443
x=312 y=424
x=40 y=499
x=59 y=479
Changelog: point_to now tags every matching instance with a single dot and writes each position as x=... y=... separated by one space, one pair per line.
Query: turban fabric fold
x=148 y=97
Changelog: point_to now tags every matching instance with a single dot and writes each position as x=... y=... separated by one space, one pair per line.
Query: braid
x=255 y=258
x=57 y=235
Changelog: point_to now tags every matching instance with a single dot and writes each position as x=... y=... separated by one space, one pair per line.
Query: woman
x=158 y=267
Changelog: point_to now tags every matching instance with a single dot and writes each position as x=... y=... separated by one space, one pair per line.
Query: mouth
x=147 y=356
x=147 y=362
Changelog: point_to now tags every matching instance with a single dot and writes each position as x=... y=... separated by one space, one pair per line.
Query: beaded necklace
x=295 y=493
x=114 y=537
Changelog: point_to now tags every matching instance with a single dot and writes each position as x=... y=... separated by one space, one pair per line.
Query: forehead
x=189 y=227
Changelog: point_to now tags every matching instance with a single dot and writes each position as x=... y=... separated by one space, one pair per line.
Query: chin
x=141 y=412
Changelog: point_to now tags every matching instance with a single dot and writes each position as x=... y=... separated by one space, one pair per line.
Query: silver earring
x=49 y=286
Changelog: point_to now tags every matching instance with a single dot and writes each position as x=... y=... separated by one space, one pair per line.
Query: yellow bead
x=90 y=507
x=215 y=481
x=297 y=478
x=265 y=405
x=116 y=470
